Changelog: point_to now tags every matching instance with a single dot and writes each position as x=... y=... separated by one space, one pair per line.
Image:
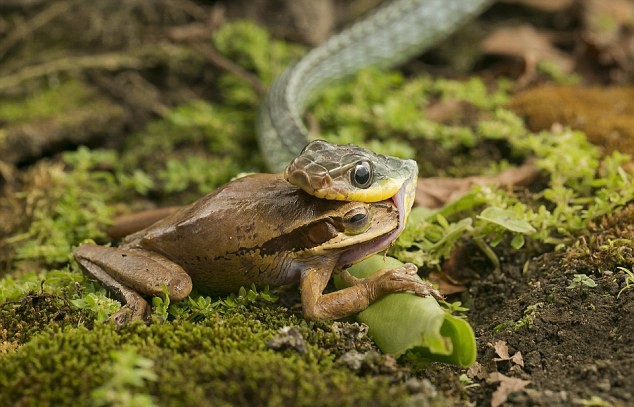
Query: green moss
x=386 y=106
x=252 y=48
x=129 y=373
x=195 y=148
x=48 y=103
x=22 y=320
x=223 y=361
x=63 y=209
x=607 y=246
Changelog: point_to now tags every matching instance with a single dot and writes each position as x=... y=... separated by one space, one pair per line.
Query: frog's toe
x=425 y=289
x=409 y=268
x=139 y=311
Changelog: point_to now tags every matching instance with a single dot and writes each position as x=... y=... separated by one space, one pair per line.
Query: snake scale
x=390 y=35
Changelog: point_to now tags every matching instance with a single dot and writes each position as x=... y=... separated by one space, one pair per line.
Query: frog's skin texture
x=256 y=230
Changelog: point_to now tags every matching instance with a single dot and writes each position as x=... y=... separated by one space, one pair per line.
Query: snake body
x=391 y=35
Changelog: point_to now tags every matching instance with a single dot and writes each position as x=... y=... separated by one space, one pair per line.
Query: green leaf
x=507 y=219
x=404 y=322
x=518 y=241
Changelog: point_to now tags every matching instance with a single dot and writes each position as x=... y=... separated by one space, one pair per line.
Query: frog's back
x=219 y=239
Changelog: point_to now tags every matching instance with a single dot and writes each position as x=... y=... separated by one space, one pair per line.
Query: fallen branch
x=226 y=64
x=113 y=61
x=21 y=31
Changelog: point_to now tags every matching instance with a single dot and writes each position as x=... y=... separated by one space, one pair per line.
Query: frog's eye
x=357 y=220
x=361 y=175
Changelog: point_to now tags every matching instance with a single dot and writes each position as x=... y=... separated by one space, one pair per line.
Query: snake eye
x=361 y=175
x=357 y=220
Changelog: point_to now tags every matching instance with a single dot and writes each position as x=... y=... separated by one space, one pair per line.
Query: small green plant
x=429 y=237
x=582 y=281
x=249 y=296
x=530 y=314
x=199 y=307
x=555 y=72
x=595 y=401
x=195 y=309
x=161 y=304
x=453 y=307
x=629 y=280
x=499 y=220
x=467 y=382
x=129 y=373
x=98 y=303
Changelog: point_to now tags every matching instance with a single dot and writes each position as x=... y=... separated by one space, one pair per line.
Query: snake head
x=351 y=173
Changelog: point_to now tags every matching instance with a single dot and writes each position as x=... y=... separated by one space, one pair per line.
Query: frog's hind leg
x=129 y=273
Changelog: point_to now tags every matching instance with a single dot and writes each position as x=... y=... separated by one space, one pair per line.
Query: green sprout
x=467 y=382
x=629 y=280
x=98 y=303
x=453 y=307
x=581 y=280
x=161 y=304
x=595 y=401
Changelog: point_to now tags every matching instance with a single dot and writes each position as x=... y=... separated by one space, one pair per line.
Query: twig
x=39 y=20
x=197 y=34
x=133 y=96
x=222 y=62
x=111 y=61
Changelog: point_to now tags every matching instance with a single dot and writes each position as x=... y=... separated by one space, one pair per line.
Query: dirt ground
x=575 y=342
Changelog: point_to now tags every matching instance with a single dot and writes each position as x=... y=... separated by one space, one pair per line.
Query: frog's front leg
x=130 y=273
x=361 y=293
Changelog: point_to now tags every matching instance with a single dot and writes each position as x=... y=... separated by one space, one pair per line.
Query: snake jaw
x=403 y=201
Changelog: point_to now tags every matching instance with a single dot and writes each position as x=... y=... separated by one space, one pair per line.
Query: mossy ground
x=224 y=360
x=55 y=348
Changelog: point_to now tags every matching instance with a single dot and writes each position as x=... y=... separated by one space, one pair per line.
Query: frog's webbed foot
x=402 y=279
x=361 y=293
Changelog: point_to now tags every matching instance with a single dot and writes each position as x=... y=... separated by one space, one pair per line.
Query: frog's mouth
x=403 y=201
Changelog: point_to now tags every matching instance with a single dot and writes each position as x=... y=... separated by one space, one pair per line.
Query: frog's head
x=355 y=230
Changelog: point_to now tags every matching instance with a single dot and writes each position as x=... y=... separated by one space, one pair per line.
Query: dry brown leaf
x=502 y=349
x=518 y=359
x=604 y=20
x=445 y=286
x=529 y=44
x=605 y=114
x=435 y=192
x=608 y=27
x=546 y=5
x=477 y=371
x=443 y=110
x=508 y=385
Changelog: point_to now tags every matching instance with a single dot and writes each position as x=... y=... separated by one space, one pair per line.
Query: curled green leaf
x=399 y=323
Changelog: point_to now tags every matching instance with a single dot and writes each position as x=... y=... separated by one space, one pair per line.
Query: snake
x=388 y=36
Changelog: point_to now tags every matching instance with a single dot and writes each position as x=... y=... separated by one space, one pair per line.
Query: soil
x=577 y=342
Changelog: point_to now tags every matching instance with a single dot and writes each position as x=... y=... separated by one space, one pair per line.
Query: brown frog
x=259 y=230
